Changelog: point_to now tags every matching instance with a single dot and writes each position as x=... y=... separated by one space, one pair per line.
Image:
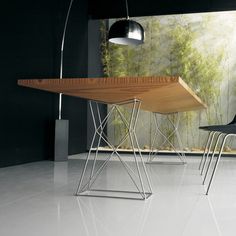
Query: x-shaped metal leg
x=139 y=176
x=154 y=151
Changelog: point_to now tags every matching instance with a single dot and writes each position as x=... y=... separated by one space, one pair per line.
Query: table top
x=161 y=94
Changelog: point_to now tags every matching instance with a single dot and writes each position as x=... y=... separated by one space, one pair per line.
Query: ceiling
x=104 y=9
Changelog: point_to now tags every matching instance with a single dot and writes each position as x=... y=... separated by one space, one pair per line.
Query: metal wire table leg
x=132 y=129
x=92 y=143
x=153 y=153
x=139 y=175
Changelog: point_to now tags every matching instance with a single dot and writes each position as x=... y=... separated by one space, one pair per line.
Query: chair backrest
x=233 y=121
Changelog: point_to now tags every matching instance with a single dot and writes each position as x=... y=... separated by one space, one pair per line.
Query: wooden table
x=156 y=94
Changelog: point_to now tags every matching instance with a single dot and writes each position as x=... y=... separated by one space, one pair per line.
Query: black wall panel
x=30 y=48
x=104 y=9
x=94 y=70
x=76 y=65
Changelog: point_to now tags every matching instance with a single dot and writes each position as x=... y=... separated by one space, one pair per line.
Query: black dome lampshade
x=126 y=32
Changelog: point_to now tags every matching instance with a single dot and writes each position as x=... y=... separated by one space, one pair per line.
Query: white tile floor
x=37 y=199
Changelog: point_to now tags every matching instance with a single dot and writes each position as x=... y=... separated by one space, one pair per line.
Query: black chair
x=224 y=131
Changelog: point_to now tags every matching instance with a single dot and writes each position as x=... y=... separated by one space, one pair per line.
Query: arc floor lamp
x=126 y=32
x=61 y=140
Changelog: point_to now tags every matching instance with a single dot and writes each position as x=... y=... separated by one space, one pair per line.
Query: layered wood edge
x=153 y=91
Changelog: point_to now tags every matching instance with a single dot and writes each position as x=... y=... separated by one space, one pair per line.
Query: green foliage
x=120 y=129
x=170 y=48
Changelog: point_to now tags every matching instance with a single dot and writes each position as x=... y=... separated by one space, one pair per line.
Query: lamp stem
x=62 y=55
x=127 y=9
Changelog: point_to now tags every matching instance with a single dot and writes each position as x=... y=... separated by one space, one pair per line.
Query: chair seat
x=227 y=129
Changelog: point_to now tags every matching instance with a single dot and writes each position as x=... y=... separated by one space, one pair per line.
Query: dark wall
x=104 y=9
x=94 y=70
x=76 y=65
x=30 y=45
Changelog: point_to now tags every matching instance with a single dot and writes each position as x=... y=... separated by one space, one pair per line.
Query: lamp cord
x=127 y=9
x=62 y=55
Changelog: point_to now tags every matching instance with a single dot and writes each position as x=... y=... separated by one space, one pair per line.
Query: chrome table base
x=154 y=152
x=138 y=176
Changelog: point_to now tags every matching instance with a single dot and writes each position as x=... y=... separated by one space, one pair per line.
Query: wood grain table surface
x=160 y=94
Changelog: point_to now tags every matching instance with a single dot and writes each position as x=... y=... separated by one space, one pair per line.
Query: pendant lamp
x=126 y=32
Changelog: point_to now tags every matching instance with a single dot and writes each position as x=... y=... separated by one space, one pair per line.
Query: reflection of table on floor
x=155 y=94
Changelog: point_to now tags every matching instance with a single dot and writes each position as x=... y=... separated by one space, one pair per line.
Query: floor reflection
x=100 y=221
x=60 y=173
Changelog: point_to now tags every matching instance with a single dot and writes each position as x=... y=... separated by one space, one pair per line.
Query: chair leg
x=212 y=156
x=205 y=150
x=208 y=153
x=217 y=162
